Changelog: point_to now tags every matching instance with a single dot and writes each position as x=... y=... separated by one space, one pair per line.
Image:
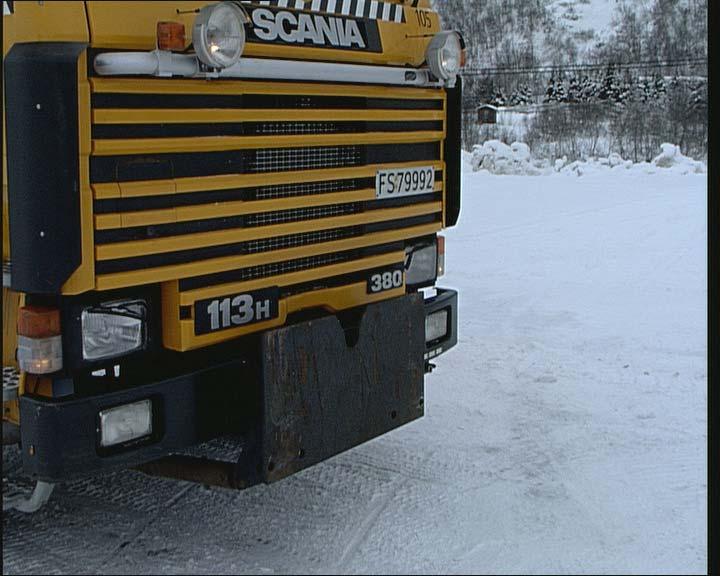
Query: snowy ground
x=565 y=433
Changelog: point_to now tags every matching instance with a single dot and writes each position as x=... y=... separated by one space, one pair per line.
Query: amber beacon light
x=170 y=36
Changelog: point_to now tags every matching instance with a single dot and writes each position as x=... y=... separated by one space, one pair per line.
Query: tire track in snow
x=360 y=534
x=127 y=543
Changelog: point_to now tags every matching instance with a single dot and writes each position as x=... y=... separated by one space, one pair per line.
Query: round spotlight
x=219 y=34
x=444 y=55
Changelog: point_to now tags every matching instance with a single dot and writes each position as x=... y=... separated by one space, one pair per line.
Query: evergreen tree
x=560 y=91
x=643 y=90
x=551 y=93
x=574 y=90
x=498 y=98
x=589 y=89
x=521 y=96
x=610 y=88
x=698 y=96
x=658 y=87
x=625 y=88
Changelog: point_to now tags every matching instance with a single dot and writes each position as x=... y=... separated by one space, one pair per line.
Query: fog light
x=436 y=325
x=124 y=423
x=219 y=34
x=444 y=56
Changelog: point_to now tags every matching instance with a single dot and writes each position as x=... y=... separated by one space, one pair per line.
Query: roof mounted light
x=444 y=56
x=219 y=34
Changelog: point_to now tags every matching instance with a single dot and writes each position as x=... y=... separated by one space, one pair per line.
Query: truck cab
x=222 y=221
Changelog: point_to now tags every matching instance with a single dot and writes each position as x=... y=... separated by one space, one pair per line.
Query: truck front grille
x=194 y=181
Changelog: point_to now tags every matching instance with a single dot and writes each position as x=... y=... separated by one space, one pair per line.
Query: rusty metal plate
x=329 y=386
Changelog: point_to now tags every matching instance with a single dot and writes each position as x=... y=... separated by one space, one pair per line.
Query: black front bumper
x=322 y=387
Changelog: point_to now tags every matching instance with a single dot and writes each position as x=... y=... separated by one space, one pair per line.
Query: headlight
x=219 y=34
x=113 y=329
x=444 y=55
x=420 y=264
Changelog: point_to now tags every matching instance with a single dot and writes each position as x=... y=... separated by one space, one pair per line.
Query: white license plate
x=404 y=182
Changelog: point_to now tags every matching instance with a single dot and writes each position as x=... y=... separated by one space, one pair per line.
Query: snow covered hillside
x=566 y=433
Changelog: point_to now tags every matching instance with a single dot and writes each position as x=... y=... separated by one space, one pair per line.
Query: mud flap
x=331 y=384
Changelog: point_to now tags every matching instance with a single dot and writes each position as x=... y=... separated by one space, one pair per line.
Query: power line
x=499 y=70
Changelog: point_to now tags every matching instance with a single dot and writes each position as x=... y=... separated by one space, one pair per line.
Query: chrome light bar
x=164 y=64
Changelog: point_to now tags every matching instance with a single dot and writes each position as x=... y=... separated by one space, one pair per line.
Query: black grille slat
x=139 y=204
x=151 y=231
x=126 y=168
x=254 y=272
x=192 y=130
x=234 y=249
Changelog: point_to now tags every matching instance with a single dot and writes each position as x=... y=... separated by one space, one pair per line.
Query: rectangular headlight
x=436 y=325
x=420 y=264
x=124 y=423
x=113 y=329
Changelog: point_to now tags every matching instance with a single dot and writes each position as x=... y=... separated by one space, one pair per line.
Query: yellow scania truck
x=221 y=221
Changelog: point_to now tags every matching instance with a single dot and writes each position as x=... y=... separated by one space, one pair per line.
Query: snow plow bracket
x=322 y=396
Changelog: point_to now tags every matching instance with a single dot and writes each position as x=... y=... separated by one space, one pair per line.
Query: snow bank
x=498 y=158
x=671 y=157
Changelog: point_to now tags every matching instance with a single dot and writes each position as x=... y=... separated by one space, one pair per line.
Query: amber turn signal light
x=170 y=36
x=39 y=343
x=38 y=322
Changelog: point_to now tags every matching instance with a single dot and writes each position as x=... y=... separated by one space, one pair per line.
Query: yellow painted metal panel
x=131 y=189
x=232 y=208
x=189 y=297
x=239 y=87
x=220 y=143
x=332 y=299
x=106 y=190
x=105 y=221
x=172 y=272
x=170 y=319
x=83 y=279
x=229 y=181
x=218 y=237
x=45 y=22
x=132 y=25
x=11 y=302
x=222 y=115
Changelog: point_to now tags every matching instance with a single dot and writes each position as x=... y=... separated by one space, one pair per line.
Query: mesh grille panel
x=284 y=159
x=299 y=128
x=283 y=216
x=277 y=268
x=267 y=244
x=304 y=189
